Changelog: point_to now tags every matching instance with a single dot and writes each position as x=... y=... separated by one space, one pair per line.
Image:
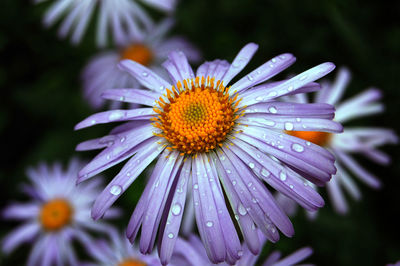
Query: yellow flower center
x=139 y=53
x=316 y=137
x=55 y=214
x=132 y=262
x=197 y=116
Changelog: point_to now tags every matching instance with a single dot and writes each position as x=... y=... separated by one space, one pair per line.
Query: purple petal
x=18 y=211
x=139 y=96
x=20 y=235
x=174 y=218
x=144 y=156
x=116 y=116
x=264 y=72
x=295 y=257
x=179 y=61
x=145 y=76
x=240 y=61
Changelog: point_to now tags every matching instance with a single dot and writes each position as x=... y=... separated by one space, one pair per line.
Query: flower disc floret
x=55 y=214
x=197 y=116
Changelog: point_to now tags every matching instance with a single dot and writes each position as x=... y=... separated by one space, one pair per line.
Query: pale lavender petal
x=336 y=195
x=156 y=201
x=145 y=76
x=216 y=69
x=116 y=116
x=264 y=72
x=124 y=146
x=138 y=96
x=18 y=211
x=206 y=214
x=171 y=230
x=240 y=61
x=336 y=90
x=265 y=93
x=295 y=257
x=181 y=64
x=20 y=235
x=144 y=156
x=358 y=171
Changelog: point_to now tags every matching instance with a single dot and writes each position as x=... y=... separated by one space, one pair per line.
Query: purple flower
x=124 y=17
x=149 y=49
x=120 y=252
x=354 y=140
x=224 y=140
x=58 y=213
x=192 y=252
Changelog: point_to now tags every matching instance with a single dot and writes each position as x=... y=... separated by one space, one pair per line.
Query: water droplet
x=281 y=146
x=251 y=165
x=273 y=60
x=170 y=235
x=259 y=98
x=228 y=171
x=272 y=110
x=272 y=94
x=161 y=88
x=269 y=122
x=234 y=182
x=290 y=88
x=249 y=184
x=122 y=98
x=116 y=190
x=291 y=186
x=222 y=158
x=282 y=176
x=209 y=224
x=288 y=126
x=242 y=210
x=195 y=186
x=176 y=209
x=249 y=77
x=298 y=119
x=115 y=115
x=108 y=157
x=236 y=64
x=308 y=143
x=258 y=155
x=265 y=172
x=93 y=122
x=240 y=253
x=145 y=74
x=122 y=139
x=297 y=147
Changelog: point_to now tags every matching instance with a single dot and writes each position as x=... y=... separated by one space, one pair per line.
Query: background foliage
x=41 y=100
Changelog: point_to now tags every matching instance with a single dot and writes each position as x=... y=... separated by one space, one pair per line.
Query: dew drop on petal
x=176 y=209
x=242 y=210
x=195 y=186
x=297 y=147
x=282 y=176
x=209 y=224
x=145 y=74
x=288 y=126
x=240 y=253
x=251 y=165
x=272 y=110
x=115 y=115
x=170 y=235
x=265 y=172
x=116 y=190
x=259 y=98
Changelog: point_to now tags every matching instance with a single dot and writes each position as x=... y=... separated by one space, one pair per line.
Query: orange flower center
x=55 y=214
x=139 y=53
x=132 y=262
x=197 y=116
x=316 y=137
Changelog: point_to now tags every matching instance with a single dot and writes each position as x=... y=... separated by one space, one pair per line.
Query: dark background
x=41 y=100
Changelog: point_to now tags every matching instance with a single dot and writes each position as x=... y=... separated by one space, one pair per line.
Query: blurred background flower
x=42 y=100
x=57 y=215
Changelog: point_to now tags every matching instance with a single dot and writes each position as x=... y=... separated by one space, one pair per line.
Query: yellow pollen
x=316 y=137
x=139 y=53
x=196 y=116
x=132 y=262
x=55 y=214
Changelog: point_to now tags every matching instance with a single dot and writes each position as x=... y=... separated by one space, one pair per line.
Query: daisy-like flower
x=149 y=49
x=120 y=253
x=355 y=140
x=192 y=252
x=224 y=140
x=123 y=17
x=58 y=213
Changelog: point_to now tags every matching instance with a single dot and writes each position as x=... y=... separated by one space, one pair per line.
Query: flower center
x=316 y=137
x=139 y=53
x=197 y=116
x=132 y=262
x=55 y=214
